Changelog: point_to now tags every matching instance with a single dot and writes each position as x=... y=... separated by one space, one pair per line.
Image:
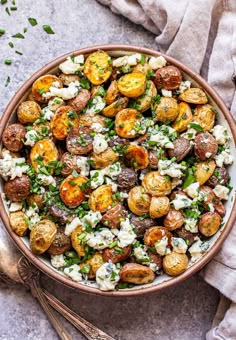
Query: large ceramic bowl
x=224 y=118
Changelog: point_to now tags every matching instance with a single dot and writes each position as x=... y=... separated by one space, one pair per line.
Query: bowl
x=163 y=281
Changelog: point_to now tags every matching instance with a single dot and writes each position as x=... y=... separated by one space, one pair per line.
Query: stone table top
x=180 y=313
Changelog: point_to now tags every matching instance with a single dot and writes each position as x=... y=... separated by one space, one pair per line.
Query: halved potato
x=94 y=263
x=87 y=119
x=156 y=184
x=204 y=170
x=42 y=85
x=139 y=201
x=101 y=198
x=204 y=115
x=209 y=223
x=42 y=235
x=144 y=101
x=184 y=117
x=175 y=263
x=155 y=234
x=43 y=152
x=137 y=274
x=125 y=122
x=167 y=110
x=194 y=96
x=104 y=158
x=112 y=93
x=159 y=207
x=18 y=223
x=136 y=156
x=118 y=105
x=97 y=67
x=145 y=68
x=73 y=190
x=132 y=84
x=63 y=120
x=28 y=112
x=77 y=244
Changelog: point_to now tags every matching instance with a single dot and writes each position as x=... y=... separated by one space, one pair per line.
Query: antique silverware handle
x=90 y=331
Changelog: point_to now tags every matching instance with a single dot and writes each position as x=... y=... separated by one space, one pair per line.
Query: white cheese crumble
x=221 y=191
x=72 y=225
x=33 y=214
x=55 y=103
x=72 y=64
x=127 y=60
x=208 y=154
x=47 y=113
x=141 y=254
x=97 y=178
x=31 y=137
x=172 y=169
x=83 y=165
x=220 y=133
x=190 y=134
x=100 y=239
x=192 y=190
x=113 y=170
x=97 y=127
x=47 y=180
x=74 y=272
x=184 y=85
x=181 y=202
x=157 y=62
x=58 y=261
x=10 y=167
x=107 y=276
x=114 y=186
x=96 y=105
x=99 y=143
x=162 y=136
x=15 y=206
x=126 y=235
x=161 y=246
x=166 y=93
x=198 y=248
x=191 y=225
x=92 y=218
x=224 y=158
x=65 y=93
x=179 y=245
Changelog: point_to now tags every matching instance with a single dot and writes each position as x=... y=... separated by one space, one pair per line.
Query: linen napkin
x=201 y=34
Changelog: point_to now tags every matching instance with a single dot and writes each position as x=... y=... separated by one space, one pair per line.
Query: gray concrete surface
x=180 y=313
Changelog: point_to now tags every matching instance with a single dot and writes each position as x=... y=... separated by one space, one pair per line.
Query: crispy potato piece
x=97 y=67
x=43 y=151
x=17 y=189
x=95 y=262
x=112 y=109
x=204 y=170
x=136 y=156
x=125 y=122
x=104 y=158
x=112 y=93
x=101 y=198
x=60 y=244
x=209 y=223
x=136 y=273
x=182 y=147
x=42 y=85
x=18 y=223
x=35 y=198
x=72 y=191
x=184 y=117
x=173 y=220
x=79 y=102
x=42 y=236
x=175 y=264
x=211 y=198
x=154 y=234
x=144 y=102
x=166 y=110
x=87 y=119
x=68 y=78
x=139 y=201
x=28 y=112
x=77 y=244
x=156 y=184
x=112 y=218
x=132 y=84
x=145 y=68
x=205 y=145
x=159 y=206
x=168 y=78
x=116 y=254
x=194 y=96
x=205 y=115
x=64 y=119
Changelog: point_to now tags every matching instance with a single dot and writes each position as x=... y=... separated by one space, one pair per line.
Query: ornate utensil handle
x=90 y=331
x=30 y=276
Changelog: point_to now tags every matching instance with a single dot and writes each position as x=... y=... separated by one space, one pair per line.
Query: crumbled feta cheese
x=192 y=190
x=65 y=93
x=126 y=234
x=181 y=202
x=220 y=133
x=97 y=127
x=72 y=64
x=74 y=272
x=190 y=134
x=141 y=254
x=184 y=85
x=31 y=137
x=55 y=103
x=58 y=261
x=47 y=113
x=191 y=224
x=92 y=218
x=113 y=170
x=99 y=143
x=113 y=185
x=12 y=167
x=224 y=158
x=97 y=178
x=124 y=194
x=96 y=105
x=221 y=191
x=47 y=180
x=208 y=154
x=161 y=246
x=100 y=239
x=107 y=276
x=72 y=225
x=198 y=248
x=166 y=93
x=162 y=136
x=127 y=60
x=157 y=62
x=15 y=206
x=83 y=165
x=172 y=169
x=179 y=245
x=154 y=267
x=33 y=214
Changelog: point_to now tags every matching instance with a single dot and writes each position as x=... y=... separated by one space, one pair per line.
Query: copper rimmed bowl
x=224 y=118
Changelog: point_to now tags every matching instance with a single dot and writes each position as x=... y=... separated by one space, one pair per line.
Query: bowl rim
x=54 y=273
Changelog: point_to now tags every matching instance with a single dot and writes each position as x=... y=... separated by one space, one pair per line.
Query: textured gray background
x=180 y=313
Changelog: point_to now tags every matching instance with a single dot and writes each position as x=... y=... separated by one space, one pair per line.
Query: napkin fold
x=202 y=35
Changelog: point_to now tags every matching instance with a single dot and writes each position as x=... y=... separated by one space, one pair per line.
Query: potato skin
x=70 y=190
x=204 y=115
x=97 y=68
x=44 y=149
x=186 y=235
x=136 y=156
x=144 y=102
x=69 y=163
x=77 y=244
x=18 y=223
x=141 y=225
x=42 y=85
x=209 y=223
x=168 y=77
x=87 y=119
x=132 y=84
x=156 y=184
x=79 y=141
x=211 y=198
x=125 y=121
x=182 y=147
x=112 y=93
x=60 y=122
x=175 y=264
x=104 y=158
x=127 y=179
x=220 y=176
x=159 y=206
x=136 y=273
x=204 y=170
x=115 y=256
x=28 y=112
x=101 y=198
x=95 y=262
x=80 y=101
x=17 y=189
x=111 y=218
x=12 y=137
x=173 y=220
x=60 y=244
x=204 y=144
x=118 y=105
x=42 y=236
x=194 y=96
x=166 y=110
x=154 y=234
x=156 y=258
x=184 y=117
x=139 y=201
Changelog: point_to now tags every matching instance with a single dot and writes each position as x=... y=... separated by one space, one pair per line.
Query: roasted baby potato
x=73 y=190
x=112 y=93
x=136 y=273
x=42 y=85
x=141 y=224
x=125 y=122
x=211 y=199
x=78 y=244
x=116 y=254
x=175 y=264
x=18 y=223
x=35 y=199
x=28 y=112
x=144 y=102
x=168 y=78
x=104 y=158
x=220 y=176
x=44 y=151
x=209 y=223
x=13 y=137
x=182 y=147
x=118 y=105
x=63 y=120
x=97 y=67
x=136 y=156
x=194 y=96
x=80 y=101
x=68 y=78
x=101 y=198
x=127 y=179
x=204 y=170
x=60 y=244
x=18 y=188
x=204 y=115
x=87 y=119
x=167 y=110
x=154 y=234
x=139 y=201
x=94 y=263
x=156 y=258
x=145 y=68
x=79 y=141
x=159 y=206
x=186 y=235
x=42 y=236
x=205 y=146
x=132 y=84
x=184 y=117
x=173 y=220
x=156 y=184
x=69 y=162
x=113 y=216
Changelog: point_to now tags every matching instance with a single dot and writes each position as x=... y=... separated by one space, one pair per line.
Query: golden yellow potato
x=145 y=68
x=94 y=263
x=175 y=264
x=132 y=84
x=184 y=117
x=204 y=115
x=101 y=198
x=18 y=223
x=137 y=274
x=28 y=112
x=42 y=85
x=167 y=110
x=194 y=96
x=97 y=67
x=125 y=122
x=118 y=105
x=104 y=158
x=87 y=119
x=42 y=235
x=139 y=201
x=73 y=190
x=35 y=198
x=144 y=101
x=112 y=93
x=136 y=156
x=63 y=120
x=43 y=129
x=68 y=78
x=155 y=234
x=77 y=243
x=43 y=152
x=159 y=206
x=156 y=184
x=209 y=223
x=204 y=170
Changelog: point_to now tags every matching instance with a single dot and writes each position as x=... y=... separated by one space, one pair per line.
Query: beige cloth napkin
x=201 y=34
